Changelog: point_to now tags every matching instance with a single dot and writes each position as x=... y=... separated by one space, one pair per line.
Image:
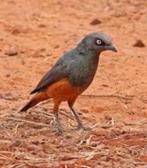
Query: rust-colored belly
x=63 y=91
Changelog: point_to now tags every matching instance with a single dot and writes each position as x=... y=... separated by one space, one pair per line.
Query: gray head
x=97 y=42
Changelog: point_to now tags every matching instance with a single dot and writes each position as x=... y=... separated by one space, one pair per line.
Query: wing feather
x=57 y=73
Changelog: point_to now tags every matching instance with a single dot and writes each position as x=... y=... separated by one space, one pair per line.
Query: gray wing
x=58 y=72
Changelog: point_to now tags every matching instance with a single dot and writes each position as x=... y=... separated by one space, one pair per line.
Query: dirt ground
x=33 y=35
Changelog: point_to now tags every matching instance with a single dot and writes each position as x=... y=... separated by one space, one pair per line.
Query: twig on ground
x=111 y=96
x=27 y=121
x=4 y=141
x=49 y=115
x=16 y=128
x=11 y=98
x=63 y=113
x=5 y=130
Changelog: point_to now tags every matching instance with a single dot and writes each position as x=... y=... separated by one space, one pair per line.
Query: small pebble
x=95 y=22
x=42 y=25
x=139 y=43
x=11 y=52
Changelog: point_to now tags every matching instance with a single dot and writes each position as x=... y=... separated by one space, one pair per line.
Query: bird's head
x=97 y=42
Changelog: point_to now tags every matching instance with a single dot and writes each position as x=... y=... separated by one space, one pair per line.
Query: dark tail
x=35 y=100
x=28 y=105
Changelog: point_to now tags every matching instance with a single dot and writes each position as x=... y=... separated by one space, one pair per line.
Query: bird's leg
x=80 y=124
x=57 y=120
x=58 y=124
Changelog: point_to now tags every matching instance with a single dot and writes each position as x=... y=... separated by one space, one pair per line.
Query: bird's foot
x=58 y=125
x=81 y=126
x=59 y=132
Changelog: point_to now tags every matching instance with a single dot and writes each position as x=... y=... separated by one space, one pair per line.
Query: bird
x=71 y=75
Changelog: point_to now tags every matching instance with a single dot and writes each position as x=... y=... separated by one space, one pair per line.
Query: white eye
x=98 y=42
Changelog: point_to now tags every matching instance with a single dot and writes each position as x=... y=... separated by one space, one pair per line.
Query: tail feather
x=30 y=104
x=35 y=100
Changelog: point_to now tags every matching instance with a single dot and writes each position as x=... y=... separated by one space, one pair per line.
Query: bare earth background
x=33 y=35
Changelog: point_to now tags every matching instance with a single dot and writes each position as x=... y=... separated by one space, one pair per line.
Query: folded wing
x=58 y=72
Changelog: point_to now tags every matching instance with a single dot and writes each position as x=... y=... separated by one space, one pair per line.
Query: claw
x=59 y=133
x=81 y=126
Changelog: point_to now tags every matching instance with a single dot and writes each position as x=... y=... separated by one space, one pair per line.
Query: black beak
x=112 y=48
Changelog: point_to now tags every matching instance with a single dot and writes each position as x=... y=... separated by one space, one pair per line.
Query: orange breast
x=63 y=90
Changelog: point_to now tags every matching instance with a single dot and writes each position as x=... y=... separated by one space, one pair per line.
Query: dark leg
x=57 y=120
x=58 y=124
x=80 y=125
